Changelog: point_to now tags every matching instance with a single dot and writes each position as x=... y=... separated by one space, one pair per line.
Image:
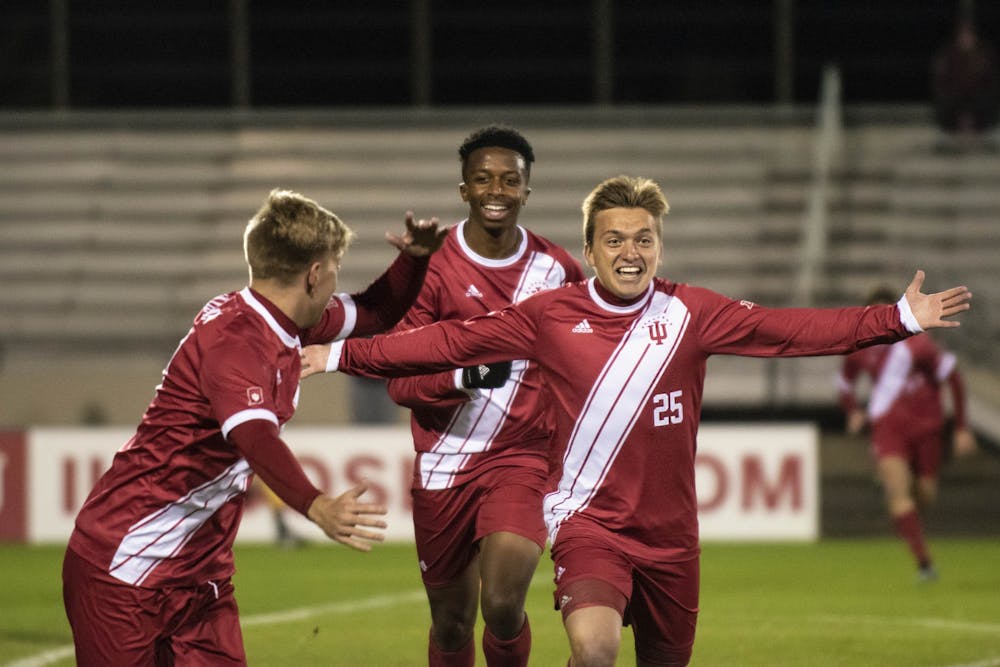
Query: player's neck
x=492 y=243
x=287 y=300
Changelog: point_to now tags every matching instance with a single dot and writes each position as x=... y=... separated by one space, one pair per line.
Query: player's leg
x=595 y=635
x=453 y=619
x=593 y=582
x=897 y=485
x=507 y=564
x=927 y=462
x=112 y=623
x=205 y=627
x=926 y=492
x=444 y=527
x=511 y=536
x=897 y=481
x=663 y=612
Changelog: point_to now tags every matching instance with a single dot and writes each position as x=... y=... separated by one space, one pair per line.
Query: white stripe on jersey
x=891 y=380
x=350 y=315
x=244 y=416
x=162 y=534
x=945 y=366
x=476 y=423
x=620 y=393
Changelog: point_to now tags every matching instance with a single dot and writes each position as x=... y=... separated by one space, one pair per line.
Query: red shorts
x=658 y=599
x=114 y=623
x=921 y=445
x=448 y=523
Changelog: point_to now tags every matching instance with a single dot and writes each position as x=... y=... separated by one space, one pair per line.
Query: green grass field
x=850 y=602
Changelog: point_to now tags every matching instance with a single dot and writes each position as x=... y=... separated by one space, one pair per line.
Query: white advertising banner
x=755 y=482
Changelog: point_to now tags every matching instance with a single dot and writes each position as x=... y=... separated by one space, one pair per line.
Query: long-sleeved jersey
x=906 y=380
x=167 y=511
x=626 y=383
x=459 y=433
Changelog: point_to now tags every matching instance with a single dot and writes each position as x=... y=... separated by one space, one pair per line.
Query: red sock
x=508 y=652
x=908 y=527
x=463 y=657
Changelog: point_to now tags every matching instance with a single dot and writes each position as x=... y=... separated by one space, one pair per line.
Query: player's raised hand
x=421 y=238
x=347 y=520
x=931 y=309
x=314 y=359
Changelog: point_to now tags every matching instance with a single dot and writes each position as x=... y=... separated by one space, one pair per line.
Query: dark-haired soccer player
x=147 y=573
x=482 y=435
x=622 y=358
x=907 y=425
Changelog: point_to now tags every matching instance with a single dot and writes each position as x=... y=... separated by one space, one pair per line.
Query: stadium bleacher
x=115 y=228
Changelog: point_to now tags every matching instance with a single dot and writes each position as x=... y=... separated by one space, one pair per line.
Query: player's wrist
x=333 y=361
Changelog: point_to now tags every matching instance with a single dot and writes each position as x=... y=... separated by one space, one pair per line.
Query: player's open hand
x=421 y=238
x=931 y=309
x=314 y=359
x=347 y=520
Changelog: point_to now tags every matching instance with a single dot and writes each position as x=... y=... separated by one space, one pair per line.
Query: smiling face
x=496 y=187
x=625 y=250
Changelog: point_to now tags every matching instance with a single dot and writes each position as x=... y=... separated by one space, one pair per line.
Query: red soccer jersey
x=459 y=433
x=167 y=511
x=626 y=383
x=906 y=381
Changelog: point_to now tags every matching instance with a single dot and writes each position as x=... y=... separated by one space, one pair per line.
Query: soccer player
x=907 y=424
x=622 y=358
x=147 y=572
x=482 y=434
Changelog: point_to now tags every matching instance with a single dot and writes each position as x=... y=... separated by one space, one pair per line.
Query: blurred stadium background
x=793 y=138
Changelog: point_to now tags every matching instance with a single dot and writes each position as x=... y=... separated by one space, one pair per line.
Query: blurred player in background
x=907 y=423
x=482 y=433
x=622 y=359
x=147 y=573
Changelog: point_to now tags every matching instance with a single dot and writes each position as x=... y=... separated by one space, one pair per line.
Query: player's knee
x=595 y=651
x=452 y=631
x=503 y=612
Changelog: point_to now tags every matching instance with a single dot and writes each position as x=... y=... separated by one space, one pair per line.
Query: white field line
x=988 y=662
x=931 y=623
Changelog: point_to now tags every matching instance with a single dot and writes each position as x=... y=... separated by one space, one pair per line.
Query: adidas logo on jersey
x=583 y=327
x=473 y=291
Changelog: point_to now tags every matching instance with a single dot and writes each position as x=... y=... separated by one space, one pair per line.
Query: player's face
x=496 y=187
x=625 y=251
x=324 y=276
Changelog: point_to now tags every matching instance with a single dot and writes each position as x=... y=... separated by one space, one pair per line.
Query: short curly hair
x=500 y=136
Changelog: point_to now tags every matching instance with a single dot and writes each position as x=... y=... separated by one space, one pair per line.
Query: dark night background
x=177 y=53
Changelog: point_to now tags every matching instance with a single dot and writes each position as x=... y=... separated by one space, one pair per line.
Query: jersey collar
x=276 y=320
x=620 y=307
x=487 y=261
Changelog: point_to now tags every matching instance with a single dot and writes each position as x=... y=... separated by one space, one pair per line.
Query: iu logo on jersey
x=255 y=396
x=657 y=331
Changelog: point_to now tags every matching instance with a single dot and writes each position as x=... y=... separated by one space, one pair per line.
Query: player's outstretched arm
x=421 y=237
x=930 y=310
x=347 y=520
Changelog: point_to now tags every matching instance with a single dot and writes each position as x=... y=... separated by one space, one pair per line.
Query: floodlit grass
x=843 y=602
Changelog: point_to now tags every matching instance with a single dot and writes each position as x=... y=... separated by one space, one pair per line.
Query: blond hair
x=624 y=192
x=289 y=233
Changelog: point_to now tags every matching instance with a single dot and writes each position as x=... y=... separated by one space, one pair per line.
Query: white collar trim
x=618 y=309
x=487 y=261
x=253 y=302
